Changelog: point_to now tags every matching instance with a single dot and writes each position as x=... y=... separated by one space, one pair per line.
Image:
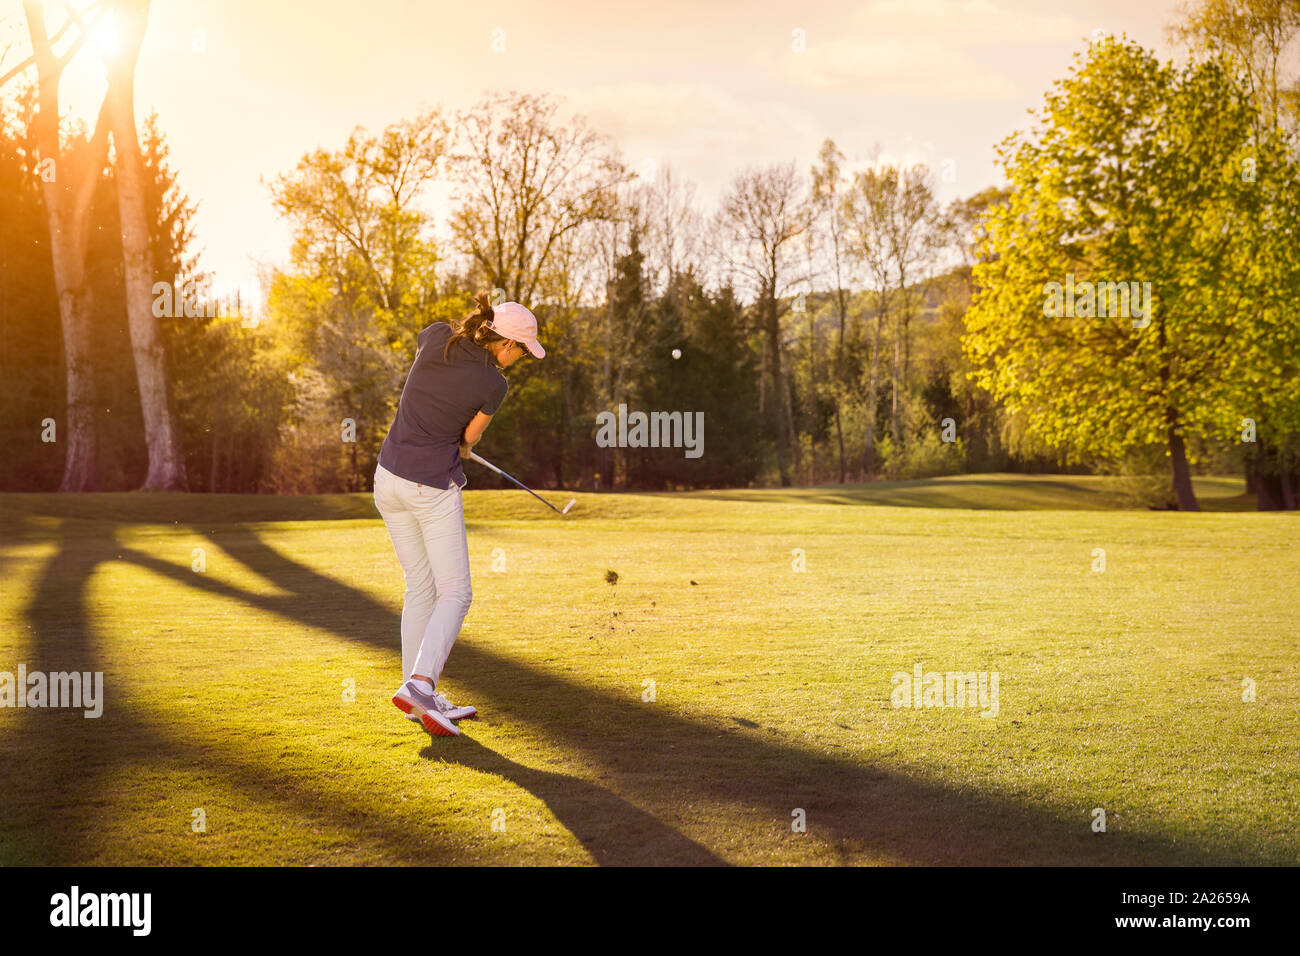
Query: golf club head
x=572 y=502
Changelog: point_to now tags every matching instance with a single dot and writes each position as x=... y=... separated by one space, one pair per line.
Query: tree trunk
x=873 y=398
x=812 y=401
x=166 y=461
x=1288 y=491
x=1182 y=475
x=792 y=436
x=354 y=483
x=840 y=390
x=563 y=444
x=81 y=462
x=839 y=437
x=774 y=348
x=212 y=469
x=226 y=484
x=893 y=389
x=607 y=463
x=968 y=430
x=1268 y=477
x=1268 y=492
x=68 y=195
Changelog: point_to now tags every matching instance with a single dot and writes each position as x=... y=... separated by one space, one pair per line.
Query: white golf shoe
x=449 y=709
x=411 y=700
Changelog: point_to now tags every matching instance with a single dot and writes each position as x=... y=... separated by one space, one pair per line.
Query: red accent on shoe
x=435 y=728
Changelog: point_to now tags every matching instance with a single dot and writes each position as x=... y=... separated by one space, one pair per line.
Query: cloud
x=972 y=22
x=695 y=122
x=922 y=48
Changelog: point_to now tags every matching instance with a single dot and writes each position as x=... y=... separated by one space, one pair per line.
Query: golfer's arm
x=475 y=429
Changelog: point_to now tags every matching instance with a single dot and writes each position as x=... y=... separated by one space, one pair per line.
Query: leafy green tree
x=360 y=225
x=981 y=419
x=715 y=372
x=361 y=286
x=1263 y=36
x=1140 y=172
x=31 y=359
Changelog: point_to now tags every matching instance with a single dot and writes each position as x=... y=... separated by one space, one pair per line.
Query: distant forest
x=834 y=324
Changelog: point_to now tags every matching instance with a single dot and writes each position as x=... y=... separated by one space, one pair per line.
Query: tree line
x=834 y=324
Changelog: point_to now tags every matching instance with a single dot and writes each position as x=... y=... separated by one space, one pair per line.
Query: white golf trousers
x=427 y=526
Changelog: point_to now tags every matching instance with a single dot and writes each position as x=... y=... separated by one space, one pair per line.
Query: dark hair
x=472 y=326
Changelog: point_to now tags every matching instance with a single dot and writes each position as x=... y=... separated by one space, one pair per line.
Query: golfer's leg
x=408 y=542
x=448 y=555
x=421 y=594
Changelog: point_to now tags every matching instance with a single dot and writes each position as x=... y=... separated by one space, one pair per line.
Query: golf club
x=481 y=461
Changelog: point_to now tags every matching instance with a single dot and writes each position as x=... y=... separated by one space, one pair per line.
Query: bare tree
x=814 y=254
x=827 y=181
x=896 y=227
x=77 y=19
x=5 y=47
x=566 y=285
x=917 y=231
x=867 y=211
x=676 y=226
x=617 y=241
x=1260 y=33
x=525 y=181
x=761 y=213
x=616 y=252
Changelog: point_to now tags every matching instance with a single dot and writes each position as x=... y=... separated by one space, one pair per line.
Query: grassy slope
x=1119 y=690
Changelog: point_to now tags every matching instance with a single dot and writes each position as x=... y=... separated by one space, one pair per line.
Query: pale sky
x=244 y=88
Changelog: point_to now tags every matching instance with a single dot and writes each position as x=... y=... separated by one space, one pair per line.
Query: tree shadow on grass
x=660 y=759
x=613 y=831
x=59 y=764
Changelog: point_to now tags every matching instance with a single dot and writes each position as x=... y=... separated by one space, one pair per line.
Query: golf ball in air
x=677 y=353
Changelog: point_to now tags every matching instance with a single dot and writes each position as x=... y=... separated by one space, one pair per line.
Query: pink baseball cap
x=514 y=321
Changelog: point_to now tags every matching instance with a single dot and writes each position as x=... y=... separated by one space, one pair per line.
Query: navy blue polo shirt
x=440 y=398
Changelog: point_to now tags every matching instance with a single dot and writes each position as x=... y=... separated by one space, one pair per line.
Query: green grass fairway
x=228 y=690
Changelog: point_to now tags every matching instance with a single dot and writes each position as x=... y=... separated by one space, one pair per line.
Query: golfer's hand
x=465 y=449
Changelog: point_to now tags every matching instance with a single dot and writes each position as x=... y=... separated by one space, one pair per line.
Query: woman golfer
x=453 y=389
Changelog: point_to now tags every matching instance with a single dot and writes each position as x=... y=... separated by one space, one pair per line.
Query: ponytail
x=473 y=326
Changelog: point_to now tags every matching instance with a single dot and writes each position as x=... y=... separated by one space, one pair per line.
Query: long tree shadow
x=657 y=755
x=661 y=758
x=613 y=831
x=51 y=752
x=59 y=765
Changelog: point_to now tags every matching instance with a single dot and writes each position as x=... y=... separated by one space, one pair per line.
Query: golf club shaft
x=489 y=464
